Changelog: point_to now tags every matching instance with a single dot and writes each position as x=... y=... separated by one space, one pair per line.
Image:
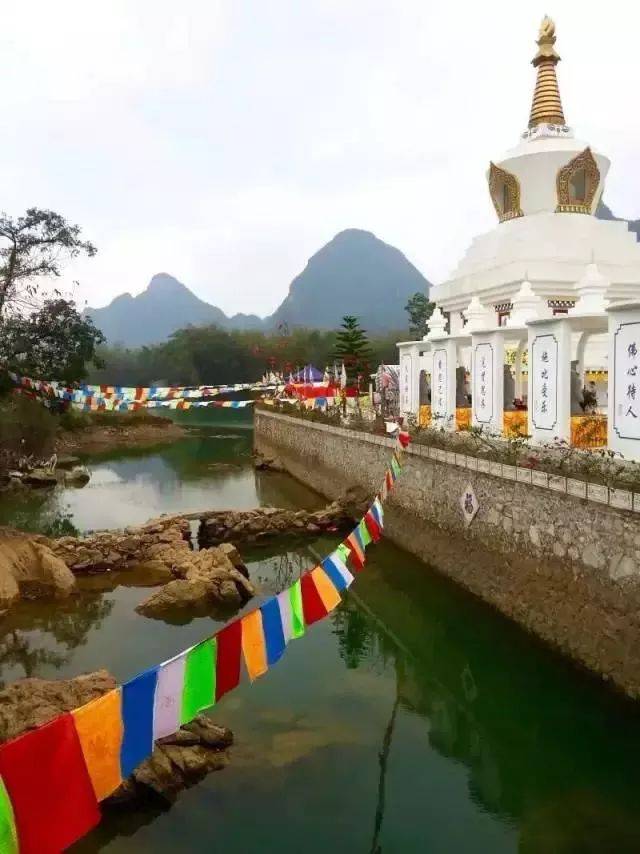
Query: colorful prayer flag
x=8 y=832
x=199 y=690
x=325 y=587
x=297 y=612
x=138 y=697
x=363 y=533
x=344 y=551
x=357 y=552
x=312 y=604
x=372 y=525
x=404 y=438
x=253 y=647
x=228 y=661
x=273 y=631
x=167 y=709
x=378 y=511
x=99 y=728
x=47 y=781
x=337 y=571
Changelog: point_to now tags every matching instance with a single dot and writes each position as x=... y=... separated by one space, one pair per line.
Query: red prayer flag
x=372 y=526
x=50 y=789
x=312 y=605
x=229 y=641
x=404 y=438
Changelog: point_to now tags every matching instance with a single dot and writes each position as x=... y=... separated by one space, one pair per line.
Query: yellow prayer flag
x=325 y=587
x=99 y=728
x=253 y=647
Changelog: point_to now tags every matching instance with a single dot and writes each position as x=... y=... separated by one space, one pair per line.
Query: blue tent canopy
x=309 y=374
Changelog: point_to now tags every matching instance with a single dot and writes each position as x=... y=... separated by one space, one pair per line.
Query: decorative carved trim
x=497 y=178
x=585 y=160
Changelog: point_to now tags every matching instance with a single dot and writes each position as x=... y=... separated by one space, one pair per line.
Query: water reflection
x=546 y=749
x=210 y=469
x=38 y=637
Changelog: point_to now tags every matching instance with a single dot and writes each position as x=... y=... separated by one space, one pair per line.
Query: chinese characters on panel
x=439 y=394
x=626 y=375
x=405 y=382
x=545 y=381
x=483 y=378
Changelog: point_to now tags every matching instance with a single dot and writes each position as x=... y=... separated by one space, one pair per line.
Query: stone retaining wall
x=565 y=567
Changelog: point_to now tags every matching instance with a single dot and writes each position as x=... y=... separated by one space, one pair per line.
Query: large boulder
x=211 y=582
x=29 y=567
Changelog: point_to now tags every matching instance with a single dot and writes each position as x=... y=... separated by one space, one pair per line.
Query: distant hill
x=355 y=273
x=152 y=316
x=604 y=212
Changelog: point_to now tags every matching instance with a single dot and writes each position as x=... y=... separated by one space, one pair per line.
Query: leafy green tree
x=54 y=342
x=352 y=348
x=32 y=248
x=419 y=310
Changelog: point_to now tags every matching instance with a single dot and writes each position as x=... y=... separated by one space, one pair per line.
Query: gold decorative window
x=577 y=183
x=505 y=193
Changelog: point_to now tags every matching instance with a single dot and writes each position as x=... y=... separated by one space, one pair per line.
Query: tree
x=352 y=348
x=33 y=246
x=54 y=342
x=419 y=310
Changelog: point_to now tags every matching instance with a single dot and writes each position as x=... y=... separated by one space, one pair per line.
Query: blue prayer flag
x=138 y=698
x=273 y=631
x=339 y=582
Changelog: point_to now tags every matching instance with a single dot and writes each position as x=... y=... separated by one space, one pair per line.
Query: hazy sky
x=226 y=141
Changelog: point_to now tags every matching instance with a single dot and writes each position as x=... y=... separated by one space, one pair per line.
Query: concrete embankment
x=566 y=568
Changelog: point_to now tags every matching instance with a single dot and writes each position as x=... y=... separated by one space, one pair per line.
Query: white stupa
x=545 y=192
x=548 y=254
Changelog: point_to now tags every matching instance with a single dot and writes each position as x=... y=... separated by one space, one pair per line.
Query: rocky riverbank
x=177 y=762
x=98 y=438
x=194 y=582
x=252 y=526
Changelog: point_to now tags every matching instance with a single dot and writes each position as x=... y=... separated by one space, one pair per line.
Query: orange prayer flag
x=325 y=587
x=357 y=553
x=99 y=728
x=253 y=646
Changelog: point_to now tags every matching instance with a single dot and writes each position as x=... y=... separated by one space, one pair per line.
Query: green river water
x=414 y=719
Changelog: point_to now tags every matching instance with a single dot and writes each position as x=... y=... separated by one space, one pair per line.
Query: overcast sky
x=226 y=141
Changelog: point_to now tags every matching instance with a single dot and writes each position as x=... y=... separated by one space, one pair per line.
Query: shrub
x=26 y=427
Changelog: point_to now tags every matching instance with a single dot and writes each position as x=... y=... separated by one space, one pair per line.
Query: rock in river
x=177 y=761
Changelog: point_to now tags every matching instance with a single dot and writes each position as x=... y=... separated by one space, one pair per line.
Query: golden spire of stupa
x=547 y=106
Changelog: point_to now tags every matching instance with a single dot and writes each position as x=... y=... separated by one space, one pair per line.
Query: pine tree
x=352 y=348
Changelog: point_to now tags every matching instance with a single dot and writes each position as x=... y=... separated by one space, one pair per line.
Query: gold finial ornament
x=547 y=106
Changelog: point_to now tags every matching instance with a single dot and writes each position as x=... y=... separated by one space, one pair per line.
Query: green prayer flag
x=344 y=552
x=8 y=834
x=395 y=466
x=297 y=616
x=199 y=690
x=365 y=536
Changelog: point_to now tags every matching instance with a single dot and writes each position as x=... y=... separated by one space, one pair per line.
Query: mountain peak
x=163 y=283
x=354 y=273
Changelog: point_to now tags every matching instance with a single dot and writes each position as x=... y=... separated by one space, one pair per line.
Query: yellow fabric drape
x=99 y=728
x=463 y=417
x=424 y=415
x=589 y=431
x=515 y=423
x=328 y=593
x=253 y=646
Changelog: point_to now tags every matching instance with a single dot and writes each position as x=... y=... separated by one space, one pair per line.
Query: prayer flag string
x=52 y=778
